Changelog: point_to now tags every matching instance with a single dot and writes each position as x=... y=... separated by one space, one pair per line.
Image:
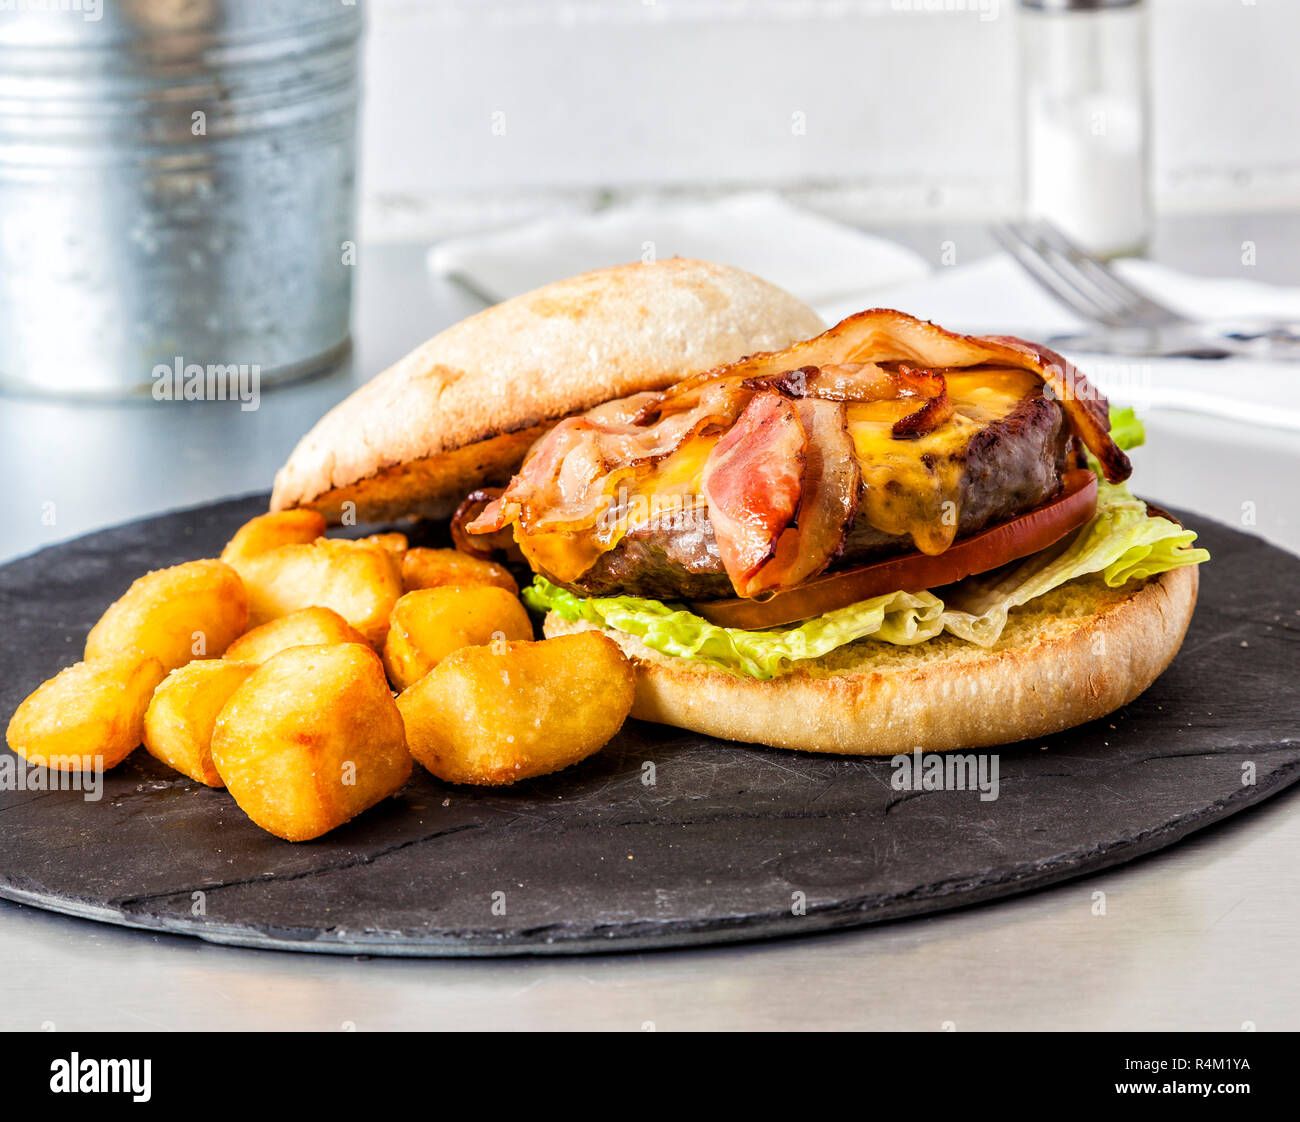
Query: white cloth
x=840 y=270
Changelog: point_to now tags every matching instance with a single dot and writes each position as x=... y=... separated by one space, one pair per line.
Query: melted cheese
x=564 y=556
x=913 y=487
x=680 y=473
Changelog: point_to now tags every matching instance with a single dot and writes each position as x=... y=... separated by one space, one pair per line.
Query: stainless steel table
x=1203 y=936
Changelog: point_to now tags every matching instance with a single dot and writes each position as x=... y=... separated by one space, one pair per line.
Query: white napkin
x=840 y=270
x=815 y=258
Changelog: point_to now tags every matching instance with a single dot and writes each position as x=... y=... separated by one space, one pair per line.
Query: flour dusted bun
x=461 y=410
x=1071 y=656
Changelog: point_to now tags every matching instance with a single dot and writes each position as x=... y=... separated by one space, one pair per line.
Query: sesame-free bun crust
x=461 y=410
x=1071 y=656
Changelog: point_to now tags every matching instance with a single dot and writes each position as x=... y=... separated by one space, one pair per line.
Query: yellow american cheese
x=913 y=486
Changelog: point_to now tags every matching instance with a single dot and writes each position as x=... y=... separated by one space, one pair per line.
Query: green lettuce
x=1122 y=542
x=1126 y=429
x=901 y=617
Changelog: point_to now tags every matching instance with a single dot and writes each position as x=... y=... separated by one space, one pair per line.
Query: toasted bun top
x=438 y=423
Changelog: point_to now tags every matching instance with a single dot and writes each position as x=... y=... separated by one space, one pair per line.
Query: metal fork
x=1080 y=281
x=1139 y=323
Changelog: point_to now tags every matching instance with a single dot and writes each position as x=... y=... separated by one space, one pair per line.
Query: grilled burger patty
x=1008 y=466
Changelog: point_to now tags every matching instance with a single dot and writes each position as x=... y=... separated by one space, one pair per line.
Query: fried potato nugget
x=358 y=581
x=270 y=531
x=194 y=610
x=311 y=739
x=495 y=715
x=429 y=623
x=435 y=568
x=89 y=716
x=393 y=542
x=307 y=627
x=178 y=723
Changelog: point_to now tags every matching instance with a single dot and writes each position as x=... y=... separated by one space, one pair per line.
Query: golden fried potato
x=510 y=711
x=359 y=582
x=307 y=627
x=393 y=542
x=270 y=531
x=89 y=716
x=178 y=723
x=311 y=739
x=194 y=610
x=429 y=623
x=434 y=568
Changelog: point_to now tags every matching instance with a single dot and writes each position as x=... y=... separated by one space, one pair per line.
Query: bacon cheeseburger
x=883 y=537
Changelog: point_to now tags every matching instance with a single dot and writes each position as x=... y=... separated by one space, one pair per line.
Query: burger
x=868 y=539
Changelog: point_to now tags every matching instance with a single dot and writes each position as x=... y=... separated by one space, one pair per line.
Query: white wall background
x=483 y=111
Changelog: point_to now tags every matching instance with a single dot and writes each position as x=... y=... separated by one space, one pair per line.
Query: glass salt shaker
x=1086 y=152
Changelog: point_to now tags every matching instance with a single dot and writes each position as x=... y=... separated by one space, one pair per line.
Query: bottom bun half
x=1068 y=657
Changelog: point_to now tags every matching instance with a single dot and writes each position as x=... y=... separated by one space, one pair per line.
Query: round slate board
x=594 y=858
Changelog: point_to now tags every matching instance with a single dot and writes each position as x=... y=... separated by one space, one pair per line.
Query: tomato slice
x=915 y=572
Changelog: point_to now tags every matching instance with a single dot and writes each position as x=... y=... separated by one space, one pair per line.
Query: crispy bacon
x=474 y=505
x=851 y=381
x=753 y=481
x=932 y=388
x=570 y=477
x=492 y=519
x=558 y=476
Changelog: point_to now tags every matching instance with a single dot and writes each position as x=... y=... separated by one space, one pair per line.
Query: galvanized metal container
x=176 y=183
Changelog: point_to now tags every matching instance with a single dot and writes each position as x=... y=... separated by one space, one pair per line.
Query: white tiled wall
x=479 y=111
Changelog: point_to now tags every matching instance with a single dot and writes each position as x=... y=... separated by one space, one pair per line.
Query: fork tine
x=1037 y=235
x=1081 y=297
x=1132 y=301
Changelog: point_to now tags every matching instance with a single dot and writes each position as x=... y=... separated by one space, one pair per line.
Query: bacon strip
x=851 y=381
x=560 y=474
x=753 y=481
x=486 y=547
x=832 y=486
x=570 y=477
x=932 y=388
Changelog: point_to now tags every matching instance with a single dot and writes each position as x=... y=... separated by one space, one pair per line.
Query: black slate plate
x=594 y=858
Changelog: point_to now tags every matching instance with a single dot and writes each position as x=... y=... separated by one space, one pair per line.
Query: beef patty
x=1007 y=467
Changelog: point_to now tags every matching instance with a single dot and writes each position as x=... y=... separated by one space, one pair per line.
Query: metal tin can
x=176 y=187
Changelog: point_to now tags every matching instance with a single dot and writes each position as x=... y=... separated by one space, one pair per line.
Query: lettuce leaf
x=901 y=617
x=1122 y=542
x=1126 y=430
